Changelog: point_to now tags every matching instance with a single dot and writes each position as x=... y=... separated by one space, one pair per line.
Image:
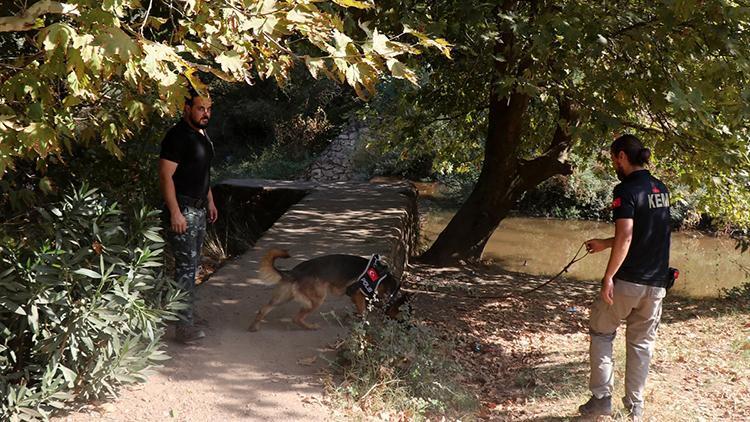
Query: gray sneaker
x=596 y=407
x=187 y=334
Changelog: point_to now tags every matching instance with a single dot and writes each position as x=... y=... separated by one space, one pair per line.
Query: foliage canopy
x=93 y=71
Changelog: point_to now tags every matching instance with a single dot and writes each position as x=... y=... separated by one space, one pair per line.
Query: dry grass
x=395 y=371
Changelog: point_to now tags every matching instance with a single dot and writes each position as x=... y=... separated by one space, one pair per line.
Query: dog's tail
x=268 y=271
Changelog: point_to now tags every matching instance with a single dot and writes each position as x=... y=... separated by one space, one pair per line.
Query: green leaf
x=148 y=234
x=36 y=112
x=58 y=36
x=31 y=412
x=231 y=62
x=34 y=319
x=88 y=273
x=159 y=356
x=117 y=44
x=69 y=375
x=45 y=185
x=9 y=305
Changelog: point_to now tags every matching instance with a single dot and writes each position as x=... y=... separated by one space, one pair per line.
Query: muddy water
x=538 y=246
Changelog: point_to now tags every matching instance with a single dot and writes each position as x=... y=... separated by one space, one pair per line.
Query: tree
x=532 y=81
x=93 y=71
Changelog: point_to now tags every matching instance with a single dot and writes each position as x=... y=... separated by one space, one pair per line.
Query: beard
x=200 y=124
x=620 y=174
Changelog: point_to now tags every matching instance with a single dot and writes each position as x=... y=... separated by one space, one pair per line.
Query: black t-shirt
x=193 y=153
x=645 y=199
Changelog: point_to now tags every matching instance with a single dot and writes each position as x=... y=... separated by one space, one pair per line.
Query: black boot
x=187 y=334
x=596 y=407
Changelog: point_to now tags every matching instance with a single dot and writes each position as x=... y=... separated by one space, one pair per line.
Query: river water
x=542 y=247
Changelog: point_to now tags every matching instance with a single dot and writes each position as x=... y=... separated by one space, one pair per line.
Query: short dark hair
x=192 y=94
x=634 y=150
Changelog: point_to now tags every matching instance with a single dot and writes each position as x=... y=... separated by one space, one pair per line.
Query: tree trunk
x=504 y=178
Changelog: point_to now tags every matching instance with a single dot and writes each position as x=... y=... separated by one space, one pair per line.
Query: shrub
x=271 y=132
x=389 y=365
x=586 y=194
x=272 y=163
x=82 y=304
x=370 y=163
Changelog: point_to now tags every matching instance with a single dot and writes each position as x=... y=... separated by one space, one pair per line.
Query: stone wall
x=408 y=237
x=335 y=163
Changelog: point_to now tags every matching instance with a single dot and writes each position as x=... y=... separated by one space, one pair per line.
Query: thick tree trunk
x=504 y=178
x=495 y=192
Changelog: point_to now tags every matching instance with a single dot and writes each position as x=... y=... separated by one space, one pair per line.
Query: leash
x=565 y=269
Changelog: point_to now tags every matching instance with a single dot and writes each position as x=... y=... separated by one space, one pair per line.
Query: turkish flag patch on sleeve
x=616 y=203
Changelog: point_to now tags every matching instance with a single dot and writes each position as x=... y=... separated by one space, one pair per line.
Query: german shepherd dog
x=311 y=281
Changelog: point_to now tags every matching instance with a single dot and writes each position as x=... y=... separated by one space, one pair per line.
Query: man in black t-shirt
x=184 y=179
x=634 y=282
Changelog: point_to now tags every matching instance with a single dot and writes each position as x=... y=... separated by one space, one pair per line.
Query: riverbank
x=708 y=264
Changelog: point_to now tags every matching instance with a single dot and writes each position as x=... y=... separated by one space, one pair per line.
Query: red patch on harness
x=616 y=203
x=655 y=190
x=372 y=274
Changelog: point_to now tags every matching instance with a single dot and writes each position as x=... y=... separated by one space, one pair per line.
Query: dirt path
x=236 y=375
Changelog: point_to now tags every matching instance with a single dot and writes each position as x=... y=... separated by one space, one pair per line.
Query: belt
x=187 y=201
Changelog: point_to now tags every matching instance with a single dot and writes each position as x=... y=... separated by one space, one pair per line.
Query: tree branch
x=631 y=27
x=148 y=12
x=553 y=161
x=27 y=20
x=561 y=140
x=458 y=115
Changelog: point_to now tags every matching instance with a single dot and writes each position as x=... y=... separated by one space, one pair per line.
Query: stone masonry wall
x=335 y=163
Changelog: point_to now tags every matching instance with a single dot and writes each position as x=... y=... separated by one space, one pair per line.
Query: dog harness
x=370 y=279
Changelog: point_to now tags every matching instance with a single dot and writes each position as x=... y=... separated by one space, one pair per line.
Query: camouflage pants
x=186 y=248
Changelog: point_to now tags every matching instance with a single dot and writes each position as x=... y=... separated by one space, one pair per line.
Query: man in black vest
x=184 y=179
x=634 y=282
